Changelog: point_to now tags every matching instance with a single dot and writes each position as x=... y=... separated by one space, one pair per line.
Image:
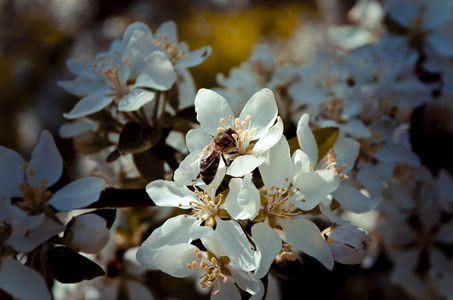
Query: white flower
x=12 y=277
x=184 y=228
x=215 y=270
x=131 y=70
x=332 y=169
x=256 y=130
x=282 y=200
x=28 y=182
x=345 y=240
x=428 y=20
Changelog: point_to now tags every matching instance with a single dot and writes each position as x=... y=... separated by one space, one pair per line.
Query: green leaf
x=149 y=165
x=134 y=138
x=325 y=139
x=68 y=266
x=293 y=145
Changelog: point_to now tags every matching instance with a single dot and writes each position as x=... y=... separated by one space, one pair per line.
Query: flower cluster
x=265 y=213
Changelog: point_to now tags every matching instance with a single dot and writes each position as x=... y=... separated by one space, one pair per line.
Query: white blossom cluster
x=277 y=162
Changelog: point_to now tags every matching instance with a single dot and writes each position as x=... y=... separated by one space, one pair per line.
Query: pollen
x=243 y=133
x=213 y=269
x=205 y=208
x=172 y=49
x=279 y=202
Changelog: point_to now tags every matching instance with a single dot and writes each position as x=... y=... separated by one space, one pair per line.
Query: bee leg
x=227 y=162
x=198 y=176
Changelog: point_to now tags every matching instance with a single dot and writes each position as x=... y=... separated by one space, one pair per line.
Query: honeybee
x=223 y=143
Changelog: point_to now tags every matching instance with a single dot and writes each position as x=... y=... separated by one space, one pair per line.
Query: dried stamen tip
x=222 y=120
x=247 y=117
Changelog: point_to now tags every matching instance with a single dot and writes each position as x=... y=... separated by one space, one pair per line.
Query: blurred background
x=37 y=37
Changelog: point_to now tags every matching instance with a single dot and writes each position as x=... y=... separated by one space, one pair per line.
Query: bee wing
x=204 y=152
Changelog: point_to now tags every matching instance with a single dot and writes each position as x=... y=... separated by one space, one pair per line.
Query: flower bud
x=346 y=243
x=89 y=234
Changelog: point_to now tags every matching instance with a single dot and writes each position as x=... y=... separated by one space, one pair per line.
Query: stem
x=156 y=106
x=117 y=198
x=162 y=112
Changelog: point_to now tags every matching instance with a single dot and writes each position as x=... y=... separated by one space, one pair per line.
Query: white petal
x=352 y=199
x=20 y=221
x=277 y=166
x=306 y=236
x=36 y=236
x=136 y=44
x=245 y=280
x=88 y=105
x=262 y=108
x=174 y=259
x=174 y=231
x=243 y=200
x=197 y=139
x=210 y=108
x=268 y=243
x=186 y=87
x=135 y=100
x=45 y=161
x=69 y=130
x=347 y=255
x=12 y=174
x=89 y=234
x=301 y=161
x=244 y=164
x=440 y=263
x=168 y=29
x=12 y=276
x=395 y=153
x=228 y=291
x=170 y=193
x=187 y=172
x=194 y=58
x=231 y=237
x=158 y=72
x=82 y=87
x=440 y=39
x=306 y=139
x=315 y=186
x=79 y=68
x=347 y=150
x=272 y=136
x=445 y=233
x=136 y=290
x=77 y=194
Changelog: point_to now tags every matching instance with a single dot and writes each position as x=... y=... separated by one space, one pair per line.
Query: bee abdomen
x=208 y=169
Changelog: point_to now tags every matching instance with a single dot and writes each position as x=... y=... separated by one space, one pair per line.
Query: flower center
x=330 y=163
x=332 y=110
x=213 y=268
x=278 y=202
x=171 y=48
x=206 y=209
x=33 y=197
x=244 y=133
x=111 y=72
